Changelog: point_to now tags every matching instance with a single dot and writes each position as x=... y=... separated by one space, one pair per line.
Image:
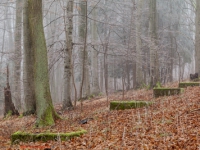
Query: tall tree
x=46 y=114
x=94 y=57
x=154 y=74
x=17 y=68
x=68 y=56
x=197 y=37
x=28 y=82
x=139 y=43
x=85 y=84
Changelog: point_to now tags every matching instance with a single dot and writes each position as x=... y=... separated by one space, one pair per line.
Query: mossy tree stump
x=33 y=137
x=186 y=84
x=121 y=105
x=157 y=92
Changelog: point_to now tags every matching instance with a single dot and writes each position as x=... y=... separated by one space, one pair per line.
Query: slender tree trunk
x=171 y=59
x=139 y=75
x=154 y=74
x=85 y=86
x=128 y=75
x=28 y=80
x=18 y=55
x=46 y=114
x=68 y=57
x=132 y=43
x=94 y=57
x=101 y=75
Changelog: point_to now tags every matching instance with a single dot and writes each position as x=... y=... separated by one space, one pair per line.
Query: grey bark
x=18 y=55
x=154 y=74
x=28 y=82
x=85 y=85
x=94 y=56
x=139 y=61
x=68 y=57
x=197 y=38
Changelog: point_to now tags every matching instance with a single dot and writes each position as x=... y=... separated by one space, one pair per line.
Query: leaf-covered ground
x=170 y=123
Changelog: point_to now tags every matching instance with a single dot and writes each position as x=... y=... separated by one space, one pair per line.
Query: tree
x=68 y=56
x=139 y=44
x=154 y=74
x=28 y=82
x=85 y=84
x=17 y=68
x=197 y=37
x=8 y=104
x=46 y=114
x=94 y=54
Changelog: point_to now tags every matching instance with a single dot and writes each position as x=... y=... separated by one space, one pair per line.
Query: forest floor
x=171 y=123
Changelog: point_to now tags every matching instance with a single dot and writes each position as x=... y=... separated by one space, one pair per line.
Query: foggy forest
x=67 y=65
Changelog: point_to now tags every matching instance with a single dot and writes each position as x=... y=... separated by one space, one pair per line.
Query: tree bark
x=154 y=74
x=28 y=80
x=197 y=38
x=18 y=55
x=85 y=85
x=46 y=114
x=94 y=57
x=139 y=61
x=67 y=104
x=8 y=104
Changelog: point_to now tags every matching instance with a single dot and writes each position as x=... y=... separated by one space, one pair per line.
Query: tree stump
x=8 y=104
x=186 y=84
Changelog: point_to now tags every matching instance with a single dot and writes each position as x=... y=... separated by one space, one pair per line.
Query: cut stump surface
x=33 y=137
x=186 y=84
x=157 y=92
x=121 y=105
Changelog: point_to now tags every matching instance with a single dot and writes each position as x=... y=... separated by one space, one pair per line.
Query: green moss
x=166 y=91
x=9 y=114
x=158 y=85
x=47 y=118
x=30 y=137
x=121 y=105
x=21 y=116
x=186 y=84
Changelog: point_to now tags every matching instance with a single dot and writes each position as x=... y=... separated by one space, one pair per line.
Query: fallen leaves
x=171 y=123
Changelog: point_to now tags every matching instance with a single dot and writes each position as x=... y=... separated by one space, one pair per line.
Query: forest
x=100 y=74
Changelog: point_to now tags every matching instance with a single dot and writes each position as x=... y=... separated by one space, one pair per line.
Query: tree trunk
x=154 y=74
x=132 y=43
x=29 y=95
x=139 y=76
x=8 y=105
x=46 y=114
x=85 y=86
x=94 y=57
x=17 y=68
x=197 y=38
x=67 y=104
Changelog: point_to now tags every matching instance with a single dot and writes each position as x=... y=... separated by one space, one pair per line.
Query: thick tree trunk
x=197 y=38
x=28 y=81
x=67 y=104
x=46 y=114
x=18 y=55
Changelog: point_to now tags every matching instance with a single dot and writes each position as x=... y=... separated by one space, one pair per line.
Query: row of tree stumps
x=8 y=104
